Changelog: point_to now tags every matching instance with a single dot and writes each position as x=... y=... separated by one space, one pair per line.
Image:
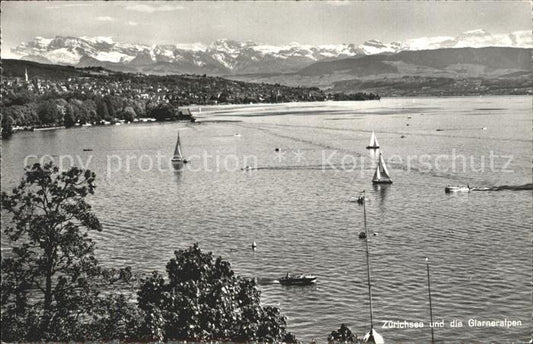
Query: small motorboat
x=359 y=199
x=297 y=279
x=477 y=188
x=450 y=189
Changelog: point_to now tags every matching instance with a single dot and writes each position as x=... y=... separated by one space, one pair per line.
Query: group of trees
x=354 y=96
x=25 y=109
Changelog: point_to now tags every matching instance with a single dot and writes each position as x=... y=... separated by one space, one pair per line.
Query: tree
x=343 y=335
x=163 y=112
x=114 y=104
x=7 y=126
x=19 y=98
x=23 y=115
x=101 y=109
x=69 y=120
x=204 y=300
x=128 y=114
x=51 y=281
x=48 y=112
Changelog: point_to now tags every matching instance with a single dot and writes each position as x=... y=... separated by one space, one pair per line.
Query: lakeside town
x=92 y=96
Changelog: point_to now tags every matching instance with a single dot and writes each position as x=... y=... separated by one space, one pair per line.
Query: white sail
x=373 y=141
x=383 y=167
x=177 y=150
x=377 y=173
x=381 y=176
x=373 y=337
x=376 y=144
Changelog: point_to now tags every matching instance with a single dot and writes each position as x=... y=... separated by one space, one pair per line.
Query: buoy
x=277 y=149
x=254 y=245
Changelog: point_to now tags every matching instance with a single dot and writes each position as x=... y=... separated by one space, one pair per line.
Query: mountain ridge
x=425 y=72
x=227 y=56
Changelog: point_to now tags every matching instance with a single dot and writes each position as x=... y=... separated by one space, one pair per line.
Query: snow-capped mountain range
x=232 y=57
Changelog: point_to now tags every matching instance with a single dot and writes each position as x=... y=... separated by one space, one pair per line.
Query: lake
x=296 y=204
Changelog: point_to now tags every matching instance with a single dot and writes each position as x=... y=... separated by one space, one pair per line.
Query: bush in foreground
x=202 y=299
x=343 y=335
x=51 y=281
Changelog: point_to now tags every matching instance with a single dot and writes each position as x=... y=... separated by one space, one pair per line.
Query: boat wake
x=509 y=187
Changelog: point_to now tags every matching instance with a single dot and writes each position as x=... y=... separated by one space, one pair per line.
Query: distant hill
x=487 y=60
x=16 y=68
x=425 y=72
x=182 y=89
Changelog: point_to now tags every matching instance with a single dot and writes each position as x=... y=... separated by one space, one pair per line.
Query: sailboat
x=373 y=142
x=381 y=176
x=372 y=336
x=177 y=159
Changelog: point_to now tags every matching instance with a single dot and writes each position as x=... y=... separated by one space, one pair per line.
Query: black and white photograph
x=266 y=172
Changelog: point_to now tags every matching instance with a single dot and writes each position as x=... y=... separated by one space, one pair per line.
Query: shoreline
x=211 y=109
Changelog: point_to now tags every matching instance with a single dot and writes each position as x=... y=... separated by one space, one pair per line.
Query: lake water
x=296 y=206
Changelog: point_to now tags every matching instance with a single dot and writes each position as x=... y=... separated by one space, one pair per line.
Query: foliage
x=343 y=335
x=69 y=120
x=7 y=126
x=203 y=300
x=83 y=111
x=102 y=109
x=163 y=112
x=18 y=98
x=21 y=114
x=128 y=114
x=356 y=96
x=48 y=112
x=51 y=281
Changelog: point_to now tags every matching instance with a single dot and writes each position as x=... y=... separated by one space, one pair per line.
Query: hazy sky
x=281 y=22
